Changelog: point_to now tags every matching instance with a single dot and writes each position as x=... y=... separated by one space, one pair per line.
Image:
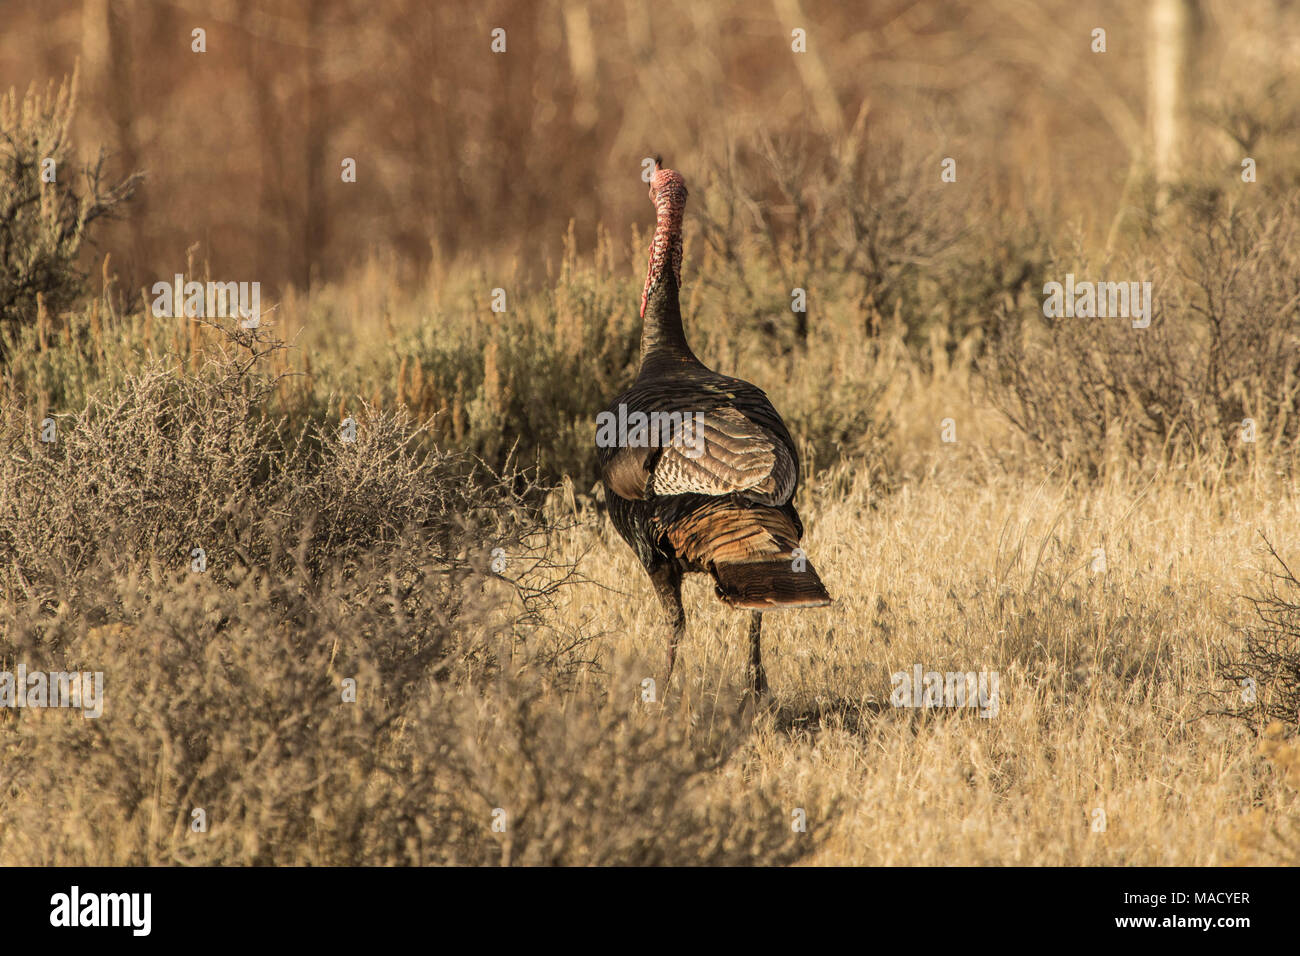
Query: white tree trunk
x=1172 y=25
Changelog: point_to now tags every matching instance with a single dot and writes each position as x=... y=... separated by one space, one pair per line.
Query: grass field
x=348 y=577
x=972 y=555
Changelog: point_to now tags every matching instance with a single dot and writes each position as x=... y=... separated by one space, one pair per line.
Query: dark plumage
x=712 y=496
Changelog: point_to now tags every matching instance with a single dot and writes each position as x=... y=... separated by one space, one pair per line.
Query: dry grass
x=1222 y=348
x=373 y=560
x=1104 y=676
x=1092 y=535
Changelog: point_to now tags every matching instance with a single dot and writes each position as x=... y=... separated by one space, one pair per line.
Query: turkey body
x=700 y=472
x=724 y=520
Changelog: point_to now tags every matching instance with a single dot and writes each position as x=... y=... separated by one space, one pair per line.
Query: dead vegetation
x=354 y=601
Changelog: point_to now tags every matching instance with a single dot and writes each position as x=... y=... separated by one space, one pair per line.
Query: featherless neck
x=662 y=337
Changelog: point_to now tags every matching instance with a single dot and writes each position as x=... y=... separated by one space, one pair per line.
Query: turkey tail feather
x=750 y=551
x=770 y=583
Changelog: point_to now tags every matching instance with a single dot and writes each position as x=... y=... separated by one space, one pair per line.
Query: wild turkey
x=715 y=495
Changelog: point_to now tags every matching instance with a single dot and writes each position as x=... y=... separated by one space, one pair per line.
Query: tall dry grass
x=225 y=687
x=1089 y=533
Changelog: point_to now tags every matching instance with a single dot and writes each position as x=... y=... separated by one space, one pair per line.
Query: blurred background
x=463 y=151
